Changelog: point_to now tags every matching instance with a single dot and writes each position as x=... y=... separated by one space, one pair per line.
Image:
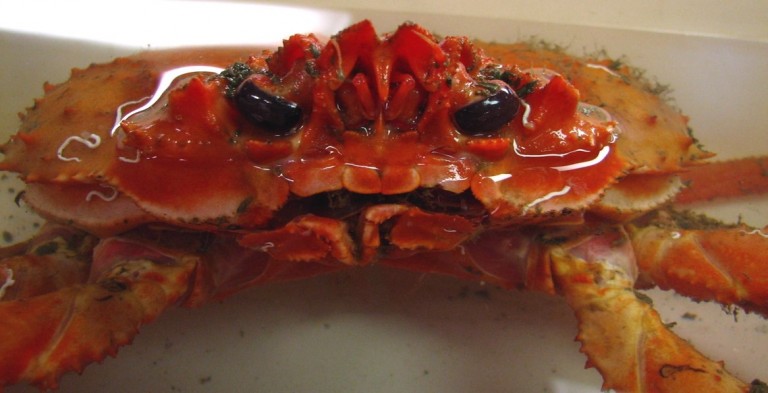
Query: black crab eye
x=487 y=116
x=272 y=113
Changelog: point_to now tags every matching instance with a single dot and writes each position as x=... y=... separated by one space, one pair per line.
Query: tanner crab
x=173 y=184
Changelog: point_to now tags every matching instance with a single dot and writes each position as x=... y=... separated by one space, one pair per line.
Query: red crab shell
x=377 y=120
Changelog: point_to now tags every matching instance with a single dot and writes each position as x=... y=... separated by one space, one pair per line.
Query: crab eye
x=488 y=115
x=272 y=113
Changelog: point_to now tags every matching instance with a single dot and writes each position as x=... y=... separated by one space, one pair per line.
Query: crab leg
x=622 y=335
x=48 y=334
x=101 y=294
x=58 y=257
x=726 y=265
x=725 y=179
x=597 y=271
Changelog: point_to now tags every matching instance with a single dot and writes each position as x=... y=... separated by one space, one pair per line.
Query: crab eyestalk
x=269 y=112
x=487 y=115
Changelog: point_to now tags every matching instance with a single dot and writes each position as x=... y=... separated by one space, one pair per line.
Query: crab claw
x=60 y=325
x=621 y=334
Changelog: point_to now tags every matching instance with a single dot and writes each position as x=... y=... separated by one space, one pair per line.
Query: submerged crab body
x=202 y=177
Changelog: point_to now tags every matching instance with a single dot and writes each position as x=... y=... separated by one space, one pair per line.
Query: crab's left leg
x=621 y=334
x=726 y=265
x=724 y=179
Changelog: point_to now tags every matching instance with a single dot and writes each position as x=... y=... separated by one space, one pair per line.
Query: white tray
x=376 y=330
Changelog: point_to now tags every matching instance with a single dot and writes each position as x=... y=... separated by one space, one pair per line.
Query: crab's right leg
x=69 y=301
x=93 y=306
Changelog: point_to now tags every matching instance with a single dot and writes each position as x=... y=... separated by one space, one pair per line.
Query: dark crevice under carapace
x=347 y=206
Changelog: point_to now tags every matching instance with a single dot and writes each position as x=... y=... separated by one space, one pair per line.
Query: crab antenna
x=363 y=88
x=405 y=85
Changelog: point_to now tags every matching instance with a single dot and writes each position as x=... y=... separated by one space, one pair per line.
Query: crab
x=168 y=183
